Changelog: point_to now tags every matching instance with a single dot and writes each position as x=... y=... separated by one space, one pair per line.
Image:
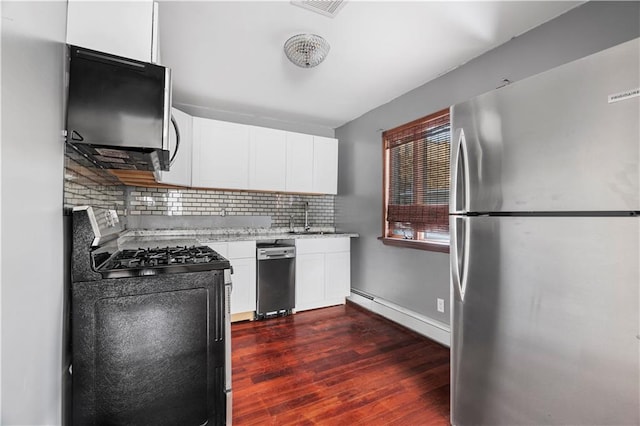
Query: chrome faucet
x=306 y=216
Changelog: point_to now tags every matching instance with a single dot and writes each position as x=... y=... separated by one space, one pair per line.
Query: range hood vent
x=118 y=110
x=327 y=8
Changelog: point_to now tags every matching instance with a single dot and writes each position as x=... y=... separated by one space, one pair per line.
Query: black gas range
x=160 y=260
x=150 y=329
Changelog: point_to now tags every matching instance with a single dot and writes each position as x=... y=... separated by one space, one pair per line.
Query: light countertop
x=135 y=238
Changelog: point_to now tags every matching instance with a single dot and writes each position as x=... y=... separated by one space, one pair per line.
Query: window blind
x=417 y=157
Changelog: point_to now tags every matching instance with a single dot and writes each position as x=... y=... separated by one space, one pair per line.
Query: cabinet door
x=325 y=165
x=337 y=275
x=220 y=154
x=180 y=170
x=122 y=28
x=243 y=295
x=310 y=277
x=299 y=162
x=267 y=161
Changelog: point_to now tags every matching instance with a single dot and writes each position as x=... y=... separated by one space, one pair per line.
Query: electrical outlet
x=440 y=305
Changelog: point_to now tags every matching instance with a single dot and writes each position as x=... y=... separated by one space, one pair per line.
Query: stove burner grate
x=168 y=259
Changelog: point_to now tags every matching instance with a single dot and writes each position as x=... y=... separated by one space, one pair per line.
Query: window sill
x=420 y=245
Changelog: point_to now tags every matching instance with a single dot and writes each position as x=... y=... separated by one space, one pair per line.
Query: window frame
x=428 y=245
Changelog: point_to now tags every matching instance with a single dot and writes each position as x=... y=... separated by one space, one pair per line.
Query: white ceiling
x=227 y=56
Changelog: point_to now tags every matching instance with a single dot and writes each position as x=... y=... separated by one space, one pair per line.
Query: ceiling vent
x=323 y=7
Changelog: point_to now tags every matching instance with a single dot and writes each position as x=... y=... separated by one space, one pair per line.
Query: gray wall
x=32 y=162
x=414 y=278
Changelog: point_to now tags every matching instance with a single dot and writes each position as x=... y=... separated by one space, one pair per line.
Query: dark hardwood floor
x=337 y=366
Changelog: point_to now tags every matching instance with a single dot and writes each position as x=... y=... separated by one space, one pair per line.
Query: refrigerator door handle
x=459 y=255
x=460 y=177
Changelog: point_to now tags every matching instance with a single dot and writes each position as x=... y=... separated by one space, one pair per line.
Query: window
x=416 y=187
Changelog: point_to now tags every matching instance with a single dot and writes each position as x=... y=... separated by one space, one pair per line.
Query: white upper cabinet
x=268 y=157
x=299 y=162
x=220 y=154
x=239 y=156
x=180 y=170
x=325 y=165
x=123 y=28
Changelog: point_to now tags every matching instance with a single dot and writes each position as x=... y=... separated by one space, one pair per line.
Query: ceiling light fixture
x=306 y=50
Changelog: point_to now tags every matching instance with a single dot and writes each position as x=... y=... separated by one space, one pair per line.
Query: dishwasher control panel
x=275 y=252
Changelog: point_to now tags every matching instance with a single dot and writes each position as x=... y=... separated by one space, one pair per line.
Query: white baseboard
x=434 y=330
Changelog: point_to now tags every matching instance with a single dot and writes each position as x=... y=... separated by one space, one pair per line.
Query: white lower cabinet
x=310 y=278
x=243 y=296
x=242 y=256
x=323 y=273
x=338 y=273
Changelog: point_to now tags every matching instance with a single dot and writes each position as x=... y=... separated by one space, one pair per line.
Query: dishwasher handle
x=277 y=256
x=272 y=253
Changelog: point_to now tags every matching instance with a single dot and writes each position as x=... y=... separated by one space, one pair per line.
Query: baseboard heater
x=362 y=293
x=430 y=328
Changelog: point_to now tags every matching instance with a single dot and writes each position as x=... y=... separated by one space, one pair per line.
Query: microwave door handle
x=175 y=152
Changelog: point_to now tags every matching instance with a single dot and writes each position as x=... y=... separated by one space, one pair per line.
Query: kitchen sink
x=311 y=232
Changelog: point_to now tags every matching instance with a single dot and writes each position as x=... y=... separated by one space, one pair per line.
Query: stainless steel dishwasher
x=275 y=273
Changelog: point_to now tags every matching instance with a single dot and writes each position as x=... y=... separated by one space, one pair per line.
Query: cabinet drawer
x=234 y=249
x=220 y=247
x=242 y=249
x=322 y=245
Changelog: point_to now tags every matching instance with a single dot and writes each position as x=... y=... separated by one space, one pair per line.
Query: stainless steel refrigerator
x=545 y=257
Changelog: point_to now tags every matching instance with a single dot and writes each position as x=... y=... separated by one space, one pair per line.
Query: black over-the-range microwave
x=118 y=110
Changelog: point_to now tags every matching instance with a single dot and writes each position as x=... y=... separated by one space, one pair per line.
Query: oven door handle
x=227 y=335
